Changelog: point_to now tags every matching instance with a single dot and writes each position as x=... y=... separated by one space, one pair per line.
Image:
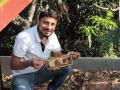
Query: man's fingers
x=75 y=55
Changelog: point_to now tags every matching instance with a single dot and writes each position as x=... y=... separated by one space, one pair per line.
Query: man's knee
x=20 y=84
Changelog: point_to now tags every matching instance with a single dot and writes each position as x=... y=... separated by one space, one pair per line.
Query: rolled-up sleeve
x=21 y=46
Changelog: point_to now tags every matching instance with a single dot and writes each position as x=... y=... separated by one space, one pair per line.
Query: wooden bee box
x=63 y=61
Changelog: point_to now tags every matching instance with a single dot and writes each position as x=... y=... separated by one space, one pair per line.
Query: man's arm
x=17 y=64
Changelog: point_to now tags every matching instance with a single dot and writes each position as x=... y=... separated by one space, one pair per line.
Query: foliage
x=101 y=30
x=89 y=31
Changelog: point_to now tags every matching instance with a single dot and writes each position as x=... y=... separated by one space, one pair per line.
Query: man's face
x=47 y=25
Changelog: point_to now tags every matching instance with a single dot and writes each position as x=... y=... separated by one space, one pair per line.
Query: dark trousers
x=27 y=81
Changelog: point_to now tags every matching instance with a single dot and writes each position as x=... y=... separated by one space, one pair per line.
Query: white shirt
x=27 y=46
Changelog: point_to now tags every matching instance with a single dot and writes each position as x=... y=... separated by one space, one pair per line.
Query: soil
x=77 y=80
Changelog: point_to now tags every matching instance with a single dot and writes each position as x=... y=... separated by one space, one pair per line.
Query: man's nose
x=49 y=26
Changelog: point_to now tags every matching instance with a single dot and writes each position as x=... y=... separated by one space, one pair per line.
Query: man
x=31 y=49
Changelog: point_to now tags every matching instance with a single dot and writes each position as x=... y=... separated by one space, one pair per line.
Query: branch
x=19 y=20
x=32 y=11
x=106 y=8
x=22 y=22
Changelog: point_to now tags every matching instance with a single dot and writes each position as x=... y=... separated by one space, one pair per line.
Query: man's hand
x=74 y=55
x=58 y=61
x=37 y=63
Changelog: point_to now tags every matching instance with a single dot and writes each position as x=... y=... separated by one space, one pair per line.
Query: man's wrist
x=29 y=63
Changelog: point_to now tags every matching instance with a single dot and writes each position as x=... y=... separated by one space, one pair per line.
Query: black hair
x=48 y=13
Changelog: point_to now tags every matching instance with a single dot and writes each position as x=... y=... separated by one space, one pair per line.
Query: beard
x=44 y=34
x=47 y=33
